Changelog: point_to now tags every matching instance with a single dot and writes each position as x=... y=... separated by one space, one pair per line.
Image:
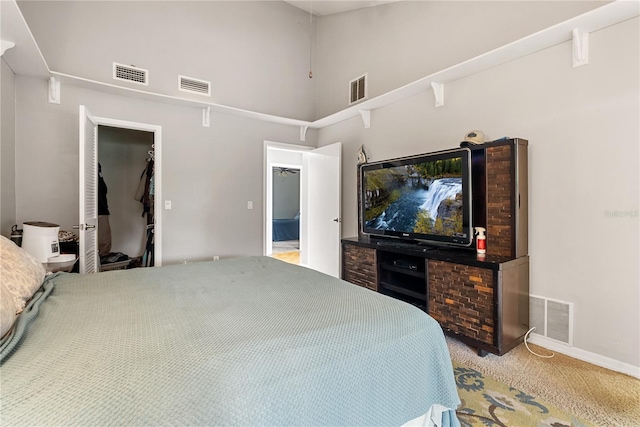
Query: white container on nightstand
x=40 y=239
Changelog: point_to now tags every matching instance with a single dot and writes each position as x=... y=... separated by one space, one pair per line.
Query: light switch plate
x=167 y=204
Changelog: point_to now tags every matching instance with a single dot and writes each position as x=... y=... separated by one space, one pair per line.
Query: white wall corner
x=206 y=117
x=303 y=133
x=580 y=47
x=438 y=93
x=5 y=45
x=366 y=118
x=54 y=90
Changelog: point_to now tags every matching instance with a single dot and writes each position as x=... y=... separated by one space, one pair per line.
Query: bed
x=286 y=229
x=246 y=341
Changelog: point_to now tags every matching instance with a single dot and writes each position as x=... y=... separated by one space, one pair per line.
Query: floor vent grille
x=130 y=73
x=551 y=318
x=189 y=84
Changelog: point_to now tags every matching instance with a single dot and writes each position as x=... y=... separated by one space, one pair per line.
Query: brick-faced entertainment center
x=481 y=300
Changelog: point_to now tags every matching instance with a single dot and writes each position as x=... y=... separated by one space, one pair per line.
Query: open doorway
x=283 y=212
x=320 y=195
x=286 y=213
x=126 y=159
x=88 y=228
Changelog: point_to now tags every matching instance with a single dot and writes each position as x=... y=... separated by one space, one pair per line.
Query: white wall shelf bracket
x=580 y=47
x=438 y=93
x=54 y=90
x=303 y=133
x=5 y=45
x=366 y=118
x=206 y=117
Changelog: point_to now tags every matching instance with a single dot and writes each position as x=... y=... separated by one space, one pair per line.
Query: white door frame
x=267 y=247
x=157 y=176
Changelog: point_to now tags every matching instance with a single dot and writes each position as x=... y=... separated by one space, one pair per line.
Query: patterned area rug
x=488 y=402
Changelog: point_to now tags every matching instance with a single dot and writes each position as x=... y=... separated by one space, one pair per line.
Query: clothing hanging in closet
x=145 y=192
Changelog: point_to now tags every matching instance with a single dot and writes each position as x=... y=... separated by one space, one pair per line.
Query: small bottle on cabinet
x=481 y=240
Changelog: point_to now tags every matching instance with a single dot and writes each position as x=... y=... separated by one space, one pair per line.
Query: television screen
x=425 y=197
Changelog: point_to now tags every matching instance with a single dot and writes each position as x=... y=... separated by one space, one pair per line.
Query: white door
x=88 y=192
x=323 y=168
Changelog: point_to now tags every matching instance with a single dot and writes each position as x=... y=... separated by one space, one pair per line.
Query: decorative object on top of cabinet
x=474 y=137
x=362 y=155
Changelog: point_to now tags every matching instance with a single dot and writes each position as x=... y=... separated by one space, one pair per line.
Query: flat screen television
x=425 y=198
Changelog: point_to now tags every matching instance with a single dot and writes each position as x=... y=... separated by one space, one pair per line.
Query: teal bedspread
x=248 y=341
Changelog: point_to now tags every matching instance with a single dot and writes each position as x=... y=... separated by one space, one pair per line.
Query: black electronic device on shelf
x=406 y=264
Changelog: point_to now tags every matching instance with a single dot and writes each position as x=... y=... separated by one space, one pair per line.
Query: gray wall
x=7 y=150
x=123 y=155
x=582 y=126
x=254 y=53
x=208 y=173
x=399 y=43
x=286 y=195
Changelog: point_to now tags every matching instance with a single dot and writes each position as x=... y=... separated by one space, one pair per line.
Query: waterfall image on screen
x=424 y=198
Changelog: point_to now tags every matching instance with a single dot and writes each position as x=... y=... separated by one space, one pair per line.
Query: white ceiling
x=328 y=7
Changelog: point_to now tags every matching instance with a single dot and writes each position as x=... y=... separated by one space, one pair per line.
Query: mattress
x=247 y=341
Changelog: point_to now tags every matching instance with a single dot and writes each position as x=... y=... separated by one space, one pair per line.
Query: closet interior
x=126 y=160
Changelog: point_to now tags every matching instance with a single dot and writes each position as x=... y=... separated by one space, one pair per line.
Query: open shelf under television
x=403 y=277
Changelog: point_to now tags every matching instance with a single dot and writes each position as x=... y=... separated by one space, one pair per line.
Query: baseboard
x=585 y=356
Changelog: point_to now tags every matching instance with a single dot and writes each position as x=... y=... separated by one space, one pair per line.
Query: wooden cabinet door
x=359 y=266
x=461 y=299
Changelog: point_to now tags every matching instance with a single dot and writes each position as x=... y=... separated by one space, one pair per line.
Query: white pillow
x=7 y=310
x=20 y=273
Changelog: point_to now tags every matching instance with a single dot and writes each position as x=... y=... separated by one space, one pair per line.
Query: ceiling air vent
x=130 y=73
x=358 y=89
x=189 y=84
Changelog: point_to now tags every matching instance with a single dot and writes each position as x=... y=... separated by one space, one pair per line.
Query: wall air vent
x=358 y=89
x=130 y=73
x=191 y=85
x=551 y=318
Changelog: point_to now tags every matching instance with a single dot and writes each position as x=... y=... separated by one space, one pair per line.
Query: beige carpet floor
x=598 y=395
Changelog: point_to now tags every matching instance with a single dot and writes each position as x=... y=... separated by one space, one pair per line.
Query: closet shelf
x=26 y=59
